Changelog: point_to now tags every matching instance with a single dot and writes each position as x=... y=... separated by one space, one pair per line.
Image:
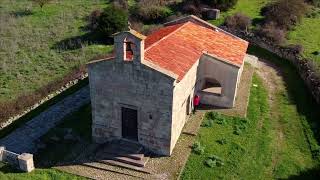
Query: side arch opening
x=212 y=86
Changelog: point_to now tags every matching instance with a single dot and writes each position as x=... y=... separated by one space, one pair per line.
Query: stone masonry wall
x=184 y=89
x=226 y=74
x=116 y=83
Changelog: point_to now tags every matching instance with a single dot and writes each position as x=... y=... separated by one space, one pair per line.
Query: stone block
x=2 y=148
x=26 y=162
x=211 y=14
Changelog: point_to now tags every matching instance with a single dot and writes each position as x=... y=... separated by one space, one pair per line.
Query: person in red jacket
x=196 y=102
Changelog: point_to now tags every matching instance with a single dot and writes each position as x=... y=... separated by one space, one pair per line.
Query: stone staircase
x=123 y=154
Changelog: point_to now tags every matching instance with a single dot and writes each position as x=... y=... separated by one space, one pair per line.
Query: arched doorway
x=212 y=86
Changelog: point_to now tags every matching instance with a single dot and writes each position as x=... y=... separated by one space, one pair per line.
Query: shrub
x=121 y=4
x=192 y=7
x=272 y=33
x=207 y=123
x=93 y=20
x=113 y=20
x=284 y=13
x=222 y=141
x=150 y=12
x=295 y=48
x=314 y=2
x=197 y=148
x=238 y=21
x=221 y=4
x=214 y=161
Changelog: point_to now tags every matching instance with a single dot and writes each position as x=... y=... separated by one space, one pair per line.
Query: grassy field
x=308 y=34
x=250 y=8
x=7 y=173
x=249 y=154
x=40 y=45
x=275 y=141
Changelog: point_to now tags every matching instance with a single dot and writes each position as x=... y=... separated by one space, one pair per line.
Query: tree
x=41 y=2
x=112 y=20
x=284 y=13
x=238 y=21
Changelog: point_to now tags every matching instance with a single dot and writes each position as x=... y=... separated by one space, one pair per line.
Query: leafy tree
x=112 y=20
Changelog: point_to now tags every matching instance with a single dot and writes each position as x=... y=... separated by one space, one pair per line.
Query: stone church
x=144 y=92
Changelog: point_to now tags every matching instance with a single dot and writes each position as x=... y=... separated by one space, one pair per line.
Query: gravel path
x=23 y=139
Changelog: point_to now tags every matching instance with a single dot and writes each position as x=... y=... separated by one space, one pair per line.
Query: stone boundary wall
x=45 y=99
x=307 y=72
x=23 y=162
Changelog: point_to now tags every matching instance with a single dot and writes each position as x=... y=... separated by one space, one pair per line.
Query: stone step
x=125 y=165
x=105 y=169
x=120 y=151
x=138 y=163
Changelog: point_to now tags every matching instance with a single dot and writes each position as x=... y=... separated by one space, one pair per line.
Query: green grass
x=246 y=155
x=250 y=8
x=254 y=153
x=28 y=57
x=307 y=33
x=8 y=173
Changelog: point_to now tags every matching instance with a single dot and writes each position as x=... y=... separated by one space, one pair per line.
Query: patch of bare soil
x=273 y=81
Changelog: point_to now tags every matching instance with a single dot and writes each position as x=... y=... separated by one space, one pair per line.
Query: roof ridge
x=157 y=42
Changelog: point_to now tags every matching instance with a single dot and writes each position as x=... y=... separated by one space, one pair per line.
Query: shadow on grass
x=78 y=42
x=21 y=121
x=313 y=173
x=22 y=13
x=298 y=93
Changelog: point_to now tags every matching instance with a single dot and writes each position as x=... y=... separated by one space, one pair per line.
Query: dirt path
x=274 y=83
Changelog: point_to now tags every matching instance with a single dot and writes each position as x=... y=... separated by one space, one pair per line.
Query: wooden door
x=129 y=123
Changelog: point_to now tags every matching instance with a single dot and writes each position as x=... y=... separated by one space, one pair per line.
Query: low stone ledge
x=23 y=162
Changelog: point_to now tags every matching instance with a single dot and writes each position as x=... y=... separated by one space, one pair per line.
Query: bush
x=272 y=33
x=238 y=21
x=284 y=13
x=197 y=148
x=207 y=123
x=223 y=5
x=192 y=7
x=93 y=20
x=214 y=161
x=295 y=48
x=112 y=20
x=314 y=2
x=222 y=141
x=150 y=12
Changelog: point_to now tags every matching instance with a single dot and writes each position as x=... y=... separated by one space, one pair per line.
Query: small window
x=212 y=86
x=128 y=50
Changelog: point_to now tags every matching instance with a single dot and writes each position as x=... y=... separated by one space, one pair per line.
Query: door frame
x=138 y=117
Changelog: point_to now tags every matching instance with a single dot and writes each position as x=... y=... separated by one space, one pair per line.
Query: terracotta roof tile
x=177 y=47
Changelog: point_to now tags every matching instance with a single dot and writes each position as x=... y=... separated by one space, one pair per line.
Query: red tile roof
x=176 y=48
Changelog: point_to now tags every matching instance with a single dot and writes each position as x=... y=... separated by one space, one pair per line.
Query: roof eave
x=222 y=59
